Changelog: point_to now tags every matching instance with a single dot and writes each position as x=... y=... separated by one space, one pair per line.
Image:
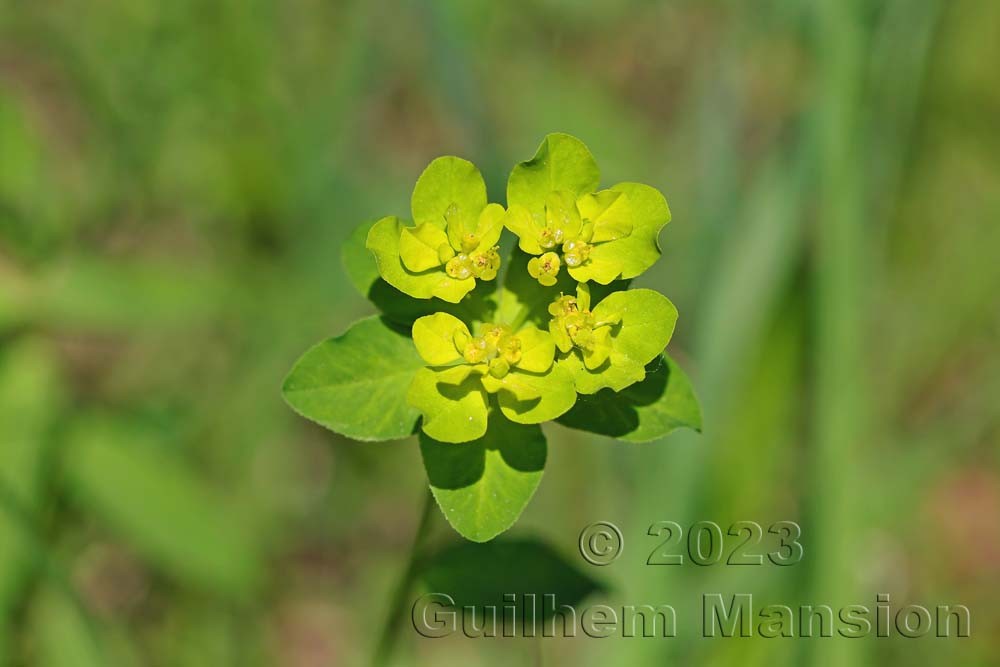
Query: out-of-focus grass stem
x=399 y=602
x=841 y=267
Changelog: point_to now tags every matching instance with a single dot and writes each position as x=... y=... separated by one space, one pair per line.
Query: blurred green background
x=176 y=179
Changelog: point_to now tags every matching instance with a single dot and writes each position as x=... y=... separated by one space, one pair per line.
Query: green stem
x=839 y=422
x=399 y=604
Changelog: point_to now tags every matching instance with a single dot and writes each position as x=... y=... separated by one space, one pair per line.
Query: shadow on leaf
x=455 y=466
x=477 y=577
x=663 y=402
x=478 y=306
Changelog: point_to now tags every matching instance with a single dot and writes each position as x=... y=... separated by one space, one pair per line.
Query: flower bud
x=459 y=267
x=494 y=333
x=544 y=269
x=499 y=368
x=510 y=349
x=475 y=351
x=486 y=265
x=576 y=253
x=564 y=305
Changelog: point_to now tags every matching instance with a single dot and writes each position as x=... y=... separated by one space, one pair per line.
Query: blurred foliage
x=176 y=181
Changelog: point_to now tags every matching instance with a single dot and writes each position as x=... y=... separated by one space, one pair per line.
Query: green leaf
x=538 y=350
x=562 y=162
x=362 y=270
x=418 y=247
x=646 y=411
x=533 y=398
x=434 y=337
x=156 y=503
x=358 y=261
x=490 y=226
x=480 y=575
x=31 y=214
x=453 y=411
x=525 y=227
x=12 y=299
x=483 y=486
x=478 y=306
x=355 y=384
x=629 y=256
x=610 y=212
x=449 y=185
x=29 y=400
x=64 y=636
x=646 y=326
x=383 y=241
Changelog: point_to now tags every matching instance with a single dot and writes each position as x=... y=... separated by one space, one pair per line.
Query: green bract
x=476 y=366
x=600 y=236
x=453 y=243
x=609 y=346
x=463 y=369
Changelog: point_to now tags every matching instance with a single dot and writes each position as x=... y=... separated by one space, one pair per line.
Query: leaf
x=29 y=400
x=449 y=183
x=646 y=411
x=383 y=241
x=647 y=324
x=551 y=395
x=477 y=306
x=156 y=503
x=538 y=350
x=483 y=486
x=525 y=227
x=480 y=575
x=434 y=338
x=610 y=212
x=562 y=162
x=490 y=226
x=452 y=412
x=12 y=298
x=629 y=256
x=418 y=247
x=31 y=216
x=64 y=637
x=355 y=384
x=358 y=261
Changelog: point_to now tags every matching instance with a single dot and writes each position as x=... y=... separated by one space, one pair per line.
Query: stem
x=399 y=602
x=841 y=269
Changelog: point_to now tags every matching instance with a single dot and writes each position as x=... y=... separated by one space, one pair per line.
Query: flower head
x=555 y=208
x=609 y=346
x=545 y=269
x=454 y=241
x=573 y=325
x=465 y=368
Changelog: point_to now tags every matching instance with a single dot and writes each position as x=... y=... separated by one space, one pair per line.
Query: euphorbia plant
x=475 y=348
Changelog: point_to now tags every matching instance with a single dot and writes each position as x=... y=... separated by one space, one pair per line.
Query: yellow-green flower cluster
x=517 y=365
x=570 y=235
